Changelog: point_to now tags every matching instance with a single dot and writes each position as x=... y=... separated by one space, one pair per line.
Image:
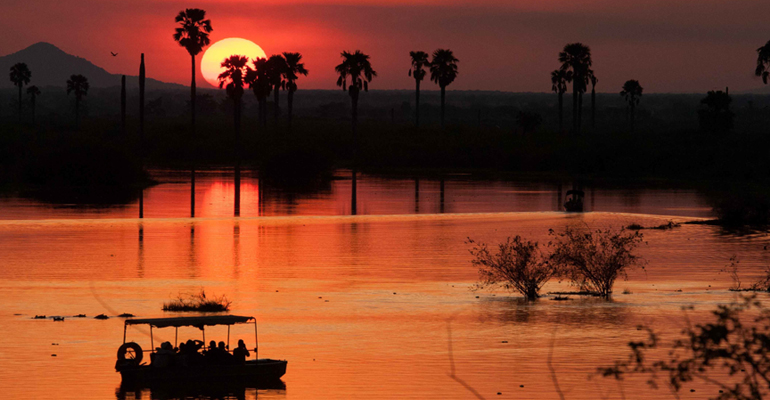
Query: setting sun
x=212 y=59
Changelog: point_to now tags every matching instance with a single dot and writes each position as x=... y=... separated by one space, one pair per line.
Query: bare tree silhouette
x=357 y=67
x=632 y=92
x=443 y=71
x=259 y=83
x=576 y=58
x=276 y=74
x=294 y=68
x=20 y=76
x=33 y=92
x=192 y=34
x=559 y=79
x=763 y=62
x=419 y=61
x=79 y=85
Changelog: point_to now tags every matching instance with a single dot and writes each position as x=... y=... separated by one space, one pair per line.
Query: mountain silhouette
x=51 y=66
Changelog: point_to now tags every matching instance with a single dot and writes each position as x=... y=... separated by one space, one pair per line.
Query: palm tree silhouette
x=20 y=76
x=443 y=71
x=357 y=67
x=419 y=61
x=232 y=79
x=594 y=80
x=276 y=72
x=33 y=92
x=559 y=79
x=576 y=58
x=258 y=81
x=236 y=68
x=192 y=34
x=632 y=92
x=294 y=68
x=763 y=62
x=79 y=85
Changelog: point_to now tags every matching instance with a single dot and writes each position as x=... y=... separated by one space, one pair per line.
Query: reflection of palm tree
x=443 y=71
x=576 y=58
x=79 y=85
x=294 y=68
x=763 y=62
x=33 y=92
x=192 y=34
x=276 y=72
x=419 y=61
x=20 y=76
x=357 y=67
x=559 y=79
x=258 y=81
x=632 y=92
x=594 y=80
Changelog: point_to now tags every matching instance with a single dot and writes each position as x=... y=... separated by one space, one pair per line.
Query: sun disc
x=219 y=51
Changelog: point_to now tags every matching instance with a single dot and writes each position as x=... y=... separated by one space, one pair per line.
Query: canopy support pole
x=228 y=337
x=124 y=333
x=256 y=341
x=176 y=335
x=152 y=342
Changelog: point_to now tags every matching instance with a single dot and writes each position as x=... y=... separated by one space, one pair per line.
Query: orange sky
x=669 y=46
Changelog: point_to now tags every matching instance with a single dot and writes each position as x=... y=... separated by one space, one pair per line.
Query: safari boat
x=134 y=371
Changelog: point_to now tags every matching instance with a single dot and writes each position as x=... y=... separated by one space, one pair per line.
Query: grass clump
x=198 y=302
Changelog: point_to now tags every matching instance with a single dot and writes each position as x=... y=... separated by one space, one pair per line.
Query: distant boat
x=574 y=201
x=134 y=372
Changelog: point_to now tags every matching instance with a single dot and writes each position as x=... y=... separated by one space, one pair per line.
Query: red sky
x=510 y=45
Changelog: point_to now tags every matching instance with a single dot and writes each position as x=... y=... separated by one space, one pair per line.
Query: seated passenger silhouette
x=227 y=358
x=241 y=352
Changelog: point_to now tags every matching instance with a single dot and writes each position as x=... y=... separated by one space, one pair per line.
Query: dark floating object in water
x=326 y=301
x=39 y=317
x=560 y=298
x=58 y=318
x=126 y=315
x=521 y=385
x=504 y=341
x=16 y=314
x=499 y=393
x=79 y=316
x=101 y=316
x=53 y=355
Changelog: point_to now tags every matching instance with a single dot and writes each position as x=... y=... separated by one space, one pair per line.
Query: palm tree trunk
x=275 y=97
x=443 y=97
x=237 y=120
x=77 y=111
x=20 y=85
x=192 y=136
x=417 y=105
x=580 y=111
x=123 y=105
x=290 y=100
x=574 y=105
x=141 y=128
x=561 y=112
x=355 y=123
x=593 y=107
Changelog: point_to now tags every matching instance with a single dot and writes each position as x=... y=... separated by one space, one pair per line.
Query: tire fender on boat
x=137 y=350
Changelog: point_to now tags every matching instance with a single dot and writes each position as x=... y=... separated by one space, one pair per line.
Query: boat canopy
x=198 y=322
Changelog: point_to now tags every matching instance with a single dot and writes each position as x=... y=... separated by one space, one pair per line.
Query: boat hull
x=252 y=372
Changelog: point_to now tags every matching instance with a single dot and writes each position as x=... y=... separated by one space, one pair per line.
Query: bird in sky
x=114 y=54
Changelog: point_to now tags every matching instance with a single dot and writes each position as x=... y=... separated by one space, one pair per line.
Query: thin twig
x=550 y=366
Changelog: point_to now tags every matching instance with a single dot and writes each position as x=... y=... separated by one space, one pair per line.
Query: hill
x=52 y=66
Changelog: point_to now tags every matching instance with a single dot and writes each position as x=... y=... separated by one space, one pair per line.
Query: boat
x=167 y=366
x=574 y=200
